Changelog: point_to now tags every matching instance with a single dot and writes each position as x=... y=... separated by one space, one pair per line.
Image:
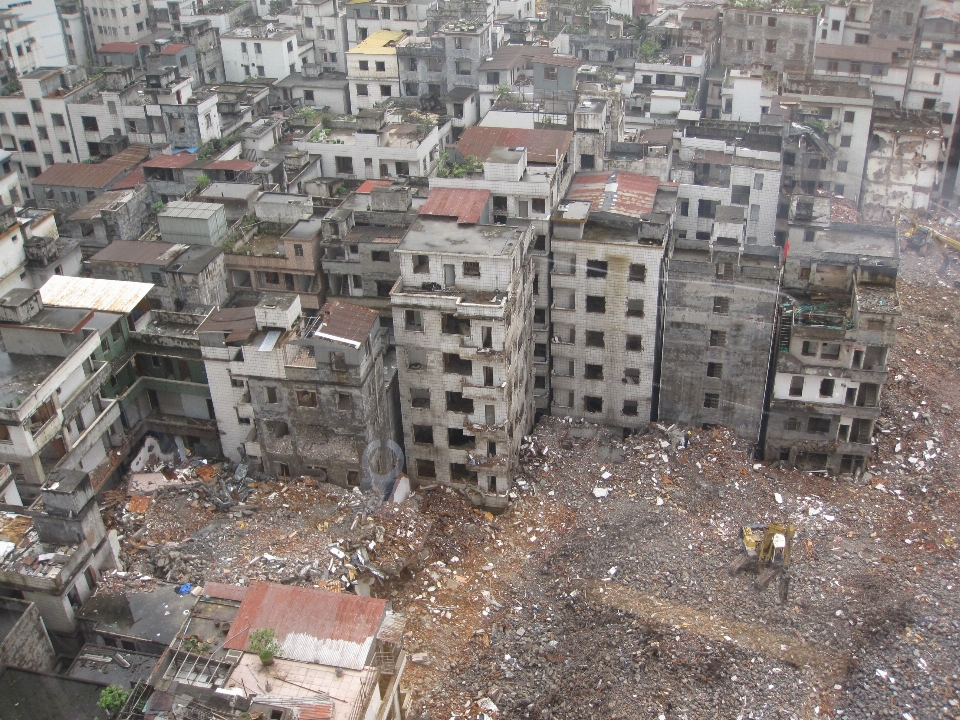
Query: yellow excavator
x=766 y=551
x=919 y=236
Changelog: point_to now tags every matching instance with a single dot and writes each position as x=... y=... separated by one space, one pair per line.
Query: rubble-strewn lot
x=605 y=592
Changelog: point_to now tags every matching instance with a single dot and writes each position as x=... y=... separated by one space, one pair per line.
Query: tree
x=112 y=698
x=264 y=643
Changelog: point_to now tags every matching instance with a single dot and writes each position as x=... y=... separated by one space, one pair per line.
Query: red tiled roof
x=120 y=47
x=237 y=165
x=315 y=626
x=543 y=146
x=223 y=591
x=465 y=205
x=172 y=49
x=345 y=321
x=179 y=160
x=369 y=185
x=132 y=180
x=617 y=193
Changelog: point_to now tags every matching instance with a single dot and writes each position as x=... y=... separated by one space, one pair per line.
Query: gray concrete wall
x=27 y=644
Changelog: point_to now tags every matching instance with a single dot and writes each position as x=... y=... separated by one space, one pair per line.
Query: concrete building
x=375 y=143
x=836 y=328
x=903 y=159
x=372 y=69
x=114 y=215
x=24 y=642
x=354 y=668
x=263 y=52
x=182 y=275
x=609 y=236
x=48 y=30
x=66 y=530
x=305 y=396
x=463 y=310
x=776 y=38
x=118 y=21
x=23 y=52
x=728 y=165
x=714 y=370
x=282 y=259
x=67 y=187
x=840 y=113
x=49 y=348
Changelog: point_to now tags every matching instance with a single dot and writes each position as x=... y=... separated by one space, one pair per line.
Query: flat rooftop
x=449 y=237
x=119 y=296
x=21 y=374
x=26 y=695
x=230 y=191
x=100 y=664
x=155 y=616
x=856 y=239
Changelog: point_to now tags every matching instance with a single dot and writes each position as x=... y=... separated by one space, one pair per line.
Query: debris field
x=604 y=591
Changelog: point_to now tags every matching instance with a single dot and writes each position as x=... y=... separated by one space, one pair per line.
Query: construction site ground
x=604 y=591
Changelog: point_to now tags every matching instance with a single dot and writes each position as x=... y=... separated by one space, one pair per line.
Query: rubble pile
x=297 y=532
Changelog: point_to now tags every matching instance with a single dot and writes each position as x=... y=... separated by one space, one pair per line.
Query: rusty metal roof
x=543 y=146
x=223 y=591
x=237 y=165
x=178 y=160
x=617 y=193
x=465 y=205
x=117 y=296
x=173 y=49
x=80 y=175
x=312 y=626
x=121 y=47
x=347 y=323
x=130 y=181
x=368 y=186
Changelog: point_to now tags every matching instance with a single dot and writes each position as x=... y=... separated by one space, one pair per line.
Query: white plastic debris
x=779 y=498
x=599 y=492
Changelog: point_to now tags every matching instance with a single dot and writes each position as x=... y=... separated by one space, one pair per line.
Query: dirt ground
x=605 y=591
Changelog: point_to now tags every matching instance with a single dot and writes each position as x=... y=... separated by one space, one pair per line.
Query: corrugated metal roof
x=81 y=175
x=345 y=322
x=509 y=56
x=134 y=251
x=617 y=193
x=223 y=591
x=178 y=160
x=313 y=626
x=130 y=181
x=543 y=146
x=117 y=296
x=369 y=185
x=120 y=47
x=173 y=49
x=237 y=165
x=463 y=204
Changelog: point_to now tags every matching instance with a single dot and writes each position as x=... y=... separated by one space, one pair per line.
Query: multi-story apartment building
x=49 y=32
x=463 y=312
x=372 y=69
x=304 y=395
x=609 y=236
x=20 y=49
x=118 y=20
x=777 y=39
x=840 y=114
x=837 y=325
x=263 y=51
x=720 y=164
x=718 y=326
x=365 y=17
x=376 y=142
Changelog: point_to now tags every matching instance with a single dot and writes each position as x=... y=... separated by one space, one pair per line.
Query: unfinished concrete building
x=903 y=162
x=719 y=309
x=304 y=395
x=463 y=312
x=608 y=242
x=837 y=323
